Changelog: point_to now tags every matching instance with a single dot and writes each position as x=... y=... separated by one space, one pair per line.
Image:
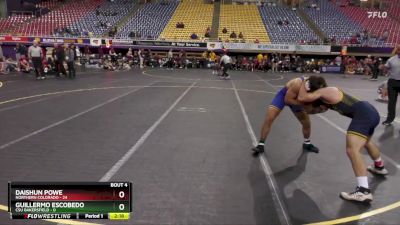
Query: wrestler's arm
x=310 y=109
x=291 y=97
x=292 y=92
x=305 y=96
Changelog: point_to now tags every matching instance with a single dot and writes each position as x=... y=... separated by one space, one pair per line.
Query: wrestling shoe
x=377 y=170
x=361 y=194
x=310 y=148
x=387 y=123
x=258 y=149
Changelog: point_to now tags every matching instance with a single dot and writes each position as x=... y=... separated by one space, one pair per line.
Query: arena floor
x=183 y=138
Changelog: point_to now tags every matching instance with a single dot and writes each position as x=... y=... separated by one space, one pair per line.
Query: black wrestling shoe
x=387 y=123
x=310 y=148
x=258 y=149
x=361 y=194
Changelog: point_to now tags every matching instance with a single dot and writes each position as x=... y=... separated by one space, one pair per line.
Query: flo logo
x=379 y=15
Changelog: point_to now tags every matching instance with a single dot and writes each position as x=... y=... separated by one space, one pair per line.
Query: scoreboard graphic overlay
x=70 y=200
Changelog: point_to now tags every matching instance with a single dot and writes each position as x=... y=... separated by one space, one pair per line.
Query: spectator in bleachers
x=385 y=35
x=333 y=40
x=134 y=34
x=194 y=36
x=224 y=30
x=256 y=41
x=285 y=22
x=241 y=35
x=208 y=32
x=85 y=33
x=354 y=40
x=233 y=35
x=113 y=32
x=365 y=35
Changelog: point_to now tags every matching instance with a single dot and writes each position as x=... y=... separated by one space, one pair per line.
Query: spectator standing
x=393 y=67
x=260 y=58
x=338 y=60
x=35 y=54
x=18 y=54
x=375 y=69
x=75 y=53
x=78 y=55
x=212 y=56
x=59 y=58
x=141 y=58
x=170 y=58
x=70 y=58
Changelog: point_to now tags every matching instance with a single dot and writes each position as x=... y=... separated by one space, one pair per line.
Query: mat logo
x=380 y=15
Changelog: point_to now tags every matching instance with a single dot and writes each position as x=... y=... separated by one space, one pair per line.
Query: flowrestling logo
x=379 y=15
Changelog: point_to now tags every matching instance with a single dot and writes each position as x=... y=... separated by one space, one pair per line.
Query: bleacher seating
x=331 y=21
x=49 y=4
x=195 y=15
x=375 y=25
x=245 y=19
x=158 y=20
x=150 y=20
x=58 y=18
x=344 y=22
x=393 y=8
x=293 y=32
x=12 y=22
x=90 y=22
